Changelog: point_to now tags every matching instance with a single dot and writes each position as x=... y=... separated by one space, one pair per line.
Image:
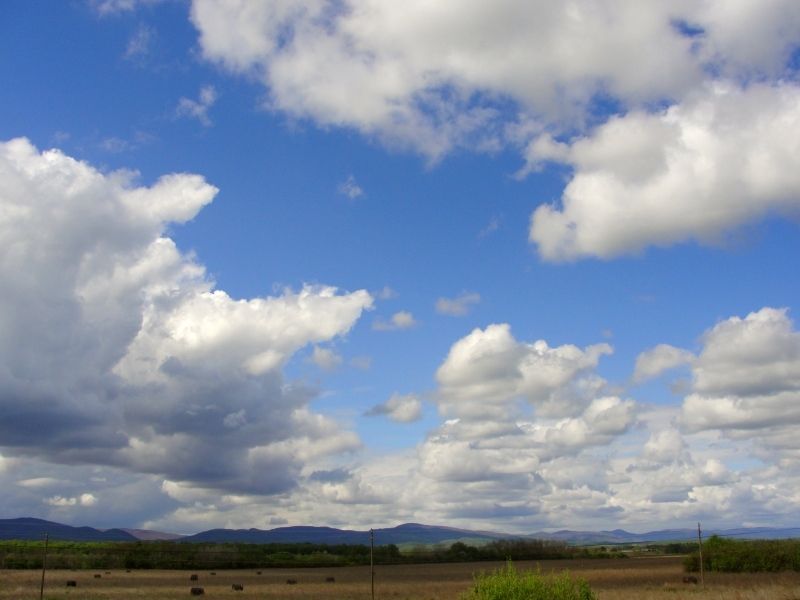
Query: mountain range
x=27 y=528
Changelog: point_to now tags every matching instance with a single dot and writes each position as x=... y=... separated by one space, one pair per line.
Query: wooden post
x=372 y=562
x=700 y=544
x=44 y=567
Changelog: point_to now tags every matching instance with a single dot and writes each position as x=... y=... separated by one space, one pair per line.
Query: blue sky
x=518 y=266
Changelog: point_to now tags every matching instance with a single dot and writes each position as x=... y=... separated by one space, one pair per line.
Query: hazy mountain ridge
x=27 y=528
x=407 y=533
x=147 y=535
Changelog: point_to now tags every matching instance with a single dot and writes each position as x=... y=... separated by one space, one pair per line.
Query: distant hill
x=405 y=535
x=620 y=536
x=147 y=535
x=28 y=528
x=409 y=533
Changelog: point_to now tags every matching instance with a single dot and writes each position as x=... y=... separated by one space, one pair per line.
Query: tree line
x=182 y=555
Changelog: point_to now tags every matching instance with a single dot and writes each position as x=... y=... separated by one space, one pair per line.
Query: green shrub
x=509 y=584
x=746 y=556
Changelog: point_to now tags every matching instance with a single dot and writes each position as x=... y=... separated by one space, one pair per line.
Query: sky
x=514 y=265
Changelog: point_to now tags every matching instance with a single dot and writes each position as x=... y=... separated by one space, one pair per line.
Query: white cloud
x=458 y=306
x=746 y=385
x=198 y=109
x=325 y=358
x=488 y=369
x=759 y=354
x=655 y=361
x=664 y=446
x=401 y=408
x=604 y=419
x=61 y=501
x=350 y=188
x=491 y=458
x=39 y=482
x=748 y=374
x=117 y=350
x=696 y=171
x=87 y=500
x=433 y=77
x=400 y=320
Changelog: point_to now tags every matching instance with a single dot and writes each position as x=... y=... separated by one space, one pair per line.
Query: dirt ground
x=631 y=579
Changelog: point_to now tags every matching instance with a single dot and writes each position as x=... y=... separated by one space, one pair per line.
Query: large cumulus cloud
x=431 y=76
x=746 y=384
x=699 y=169
x=514 y=408
x=583 y=83
x=116 y=349
x=487 y=369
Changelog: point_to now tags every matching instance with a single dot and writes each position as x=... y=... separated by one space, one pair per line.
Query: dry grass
x=634 y=579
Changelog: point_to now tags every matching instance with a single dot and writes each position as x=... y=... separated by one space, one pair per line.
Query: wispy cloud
x=400 y=320
x=350 y=188
x=117 y=145
x=458 y=306
x=325 y=358
x=492 y=226
x=400 y=408
x=106 y=8
x=139 y=43
x=385 y=293
x=198 y=109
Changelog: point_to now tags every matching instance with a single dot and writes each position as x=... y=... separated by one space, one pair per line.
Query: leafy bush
x=746 y=556
x=509 y=584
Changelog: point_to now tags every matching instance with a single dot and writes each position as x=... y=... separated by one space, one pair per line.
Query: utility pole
x=371 y=561
x=44 y=567
x=700 y=544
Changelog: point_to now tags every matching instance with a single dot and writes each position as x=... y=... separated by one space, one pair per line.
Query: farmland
x=637 y=578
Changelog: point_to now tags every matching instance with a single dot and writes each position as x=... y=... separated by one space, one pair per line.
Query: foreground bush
x=509 y=584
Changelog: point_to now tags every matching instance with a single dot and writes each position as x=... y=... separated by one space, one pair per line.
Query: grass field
x=633 y=579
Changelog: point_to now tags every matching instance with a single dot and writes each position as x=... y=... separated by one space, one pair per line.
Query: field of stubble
x=633 y=579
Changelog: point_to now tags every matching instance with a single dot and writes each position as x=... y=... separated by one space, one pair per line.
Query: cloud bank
x=678 y=120
x=117 y=350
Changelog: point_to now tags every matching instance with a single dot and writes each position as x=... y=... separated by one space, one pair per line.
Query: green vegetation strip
x=181 y=555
